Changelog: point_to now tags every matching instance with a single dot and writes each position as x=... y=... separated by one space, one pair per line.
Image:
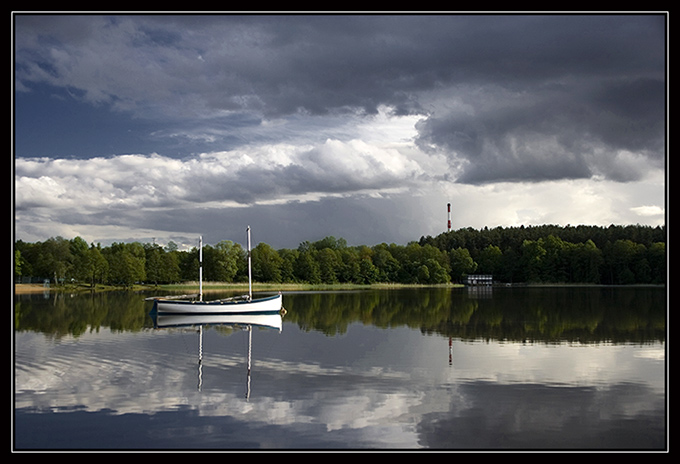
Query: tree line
x=548 y=254
x=614 y=255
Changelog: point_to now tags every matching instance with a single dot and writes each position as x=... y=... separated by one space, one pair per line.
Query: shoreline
x=211 y=287
x=29 y=288
x=222 y=286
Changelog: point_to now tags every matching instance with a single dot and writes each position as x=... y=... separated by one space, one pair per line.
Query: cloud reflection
x=491 y=395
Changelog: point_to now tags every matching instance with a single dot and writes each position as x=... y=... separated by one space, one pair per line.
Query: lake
x=517 y=368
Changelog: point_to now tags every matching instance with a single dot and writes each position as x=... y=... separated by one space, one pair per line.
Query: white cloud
x=394 y=194
x=578 y=201
x=648 y=211
x=127 y=192
x=249 y=174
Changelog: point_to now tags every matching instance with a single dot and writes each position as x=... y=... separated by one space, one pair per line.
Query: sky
x=363 y=127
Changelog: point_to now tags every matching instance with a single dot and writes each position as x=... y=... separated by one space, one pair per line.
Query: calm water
x=515 y=368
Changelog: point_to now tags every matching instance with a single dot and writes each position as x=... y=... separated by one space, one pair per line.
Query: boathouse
x=479 y=279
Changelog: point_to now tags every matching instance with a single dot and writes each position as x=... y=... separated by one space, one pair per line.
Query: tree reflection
x=573 y=314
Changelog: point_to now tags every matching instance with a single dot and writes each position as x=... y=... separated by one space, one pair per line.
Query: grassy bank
x=22 y=289
x=209 y=287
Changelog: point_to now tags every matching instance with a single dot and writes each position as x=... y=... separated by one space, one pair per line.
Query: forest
x=614 y=255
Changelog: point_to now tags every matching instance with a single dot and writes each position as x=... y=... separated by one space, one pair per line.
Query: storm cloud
x=164 y=111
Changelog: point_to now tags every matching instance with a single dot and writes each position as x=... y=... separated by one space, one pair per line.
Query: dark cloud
x=264 y=109
x=281 y=64
x=571 y=82
x=567 y=130
x=630 y=115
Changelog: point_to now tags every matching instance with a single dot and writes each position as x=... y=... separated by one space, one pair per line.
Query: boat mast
x=200 y=268
x=250 y=281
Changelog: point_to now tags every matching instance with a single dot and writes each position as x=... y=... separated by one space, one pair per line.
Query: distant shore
x=210 y=287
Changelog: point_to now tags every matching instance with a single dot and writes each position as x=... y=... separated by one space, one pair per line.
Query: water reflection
x=225 y=321
x=410 y=368
x=584 y=315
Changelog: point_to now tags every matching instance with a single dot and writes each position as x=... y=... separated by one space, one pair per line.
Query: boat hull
x=260 y=306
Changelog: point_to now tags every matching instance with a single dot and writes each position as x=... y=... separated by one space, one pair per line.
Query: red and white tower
x=449 y=226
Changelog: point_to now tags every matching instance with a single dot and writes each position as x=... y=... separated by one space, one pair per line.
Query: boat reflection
x=245 y=322
x=268 y=320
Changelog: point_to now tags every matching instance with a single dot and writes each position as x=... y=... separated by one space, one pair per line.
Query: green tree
x=586 y=262
x=230 y=258
x=368 y=273
x=329 y=265
x=423 y=274
x=17 y=262
x=170 y=267
x=266 y=263
x=126 y=263
x=350 y=269
x=188 y=264
x=78 y=246
x=554 y=262
x=531 y=260
x=620 y=258
x=657 y=262
x=640 y=265
x=307 y=268
x=83 y=260
x=28 y=253
x=490 y=260
x=510 y=268
x=288 y=259
x=388 y=266
x=55 y=259
x=153 y=263
x=95 y=265
x=330 y=242
x=438 y=273
x=461 y=264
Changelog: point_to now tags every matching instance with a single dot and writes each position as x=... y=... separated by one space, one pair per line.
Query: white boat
x=272 y=304
x=236 y=305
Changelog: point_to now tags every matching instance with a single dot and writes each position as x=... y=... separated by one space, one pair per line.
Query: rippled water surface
x=449 y=369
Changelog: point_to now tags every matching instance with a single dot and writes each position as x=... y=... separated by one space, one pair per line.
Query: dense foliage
x=549 y=254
